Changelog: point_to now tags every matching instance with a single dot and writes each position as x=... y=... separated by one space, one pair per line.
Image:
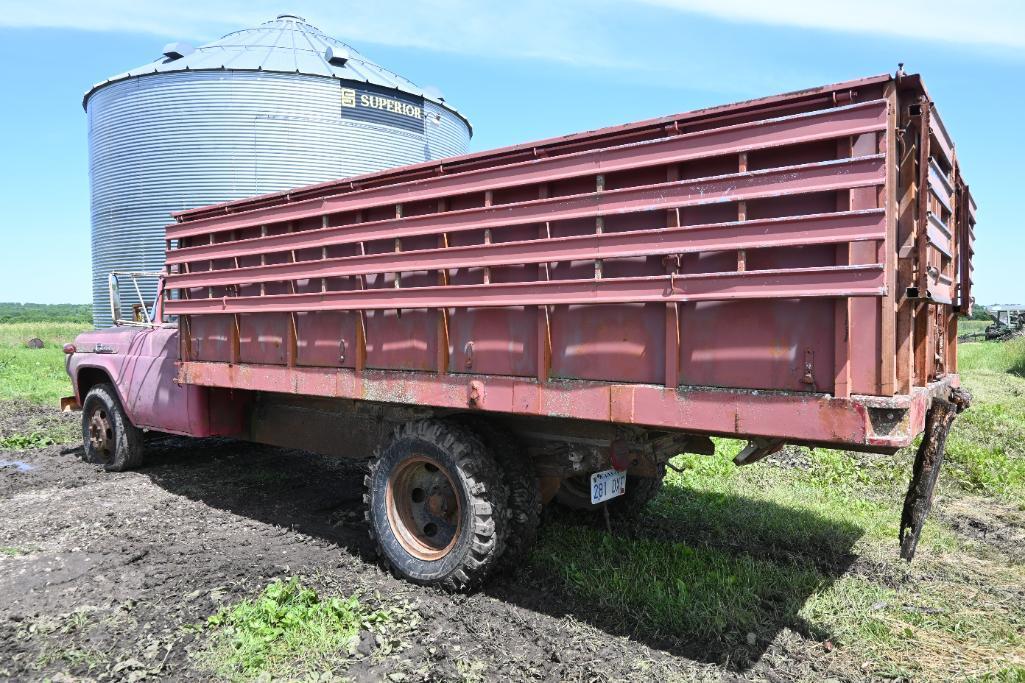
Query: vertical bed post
x=672 y=317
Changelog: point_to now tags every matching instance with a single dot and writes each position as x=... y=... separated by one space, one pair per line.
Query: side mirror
x=115 y=298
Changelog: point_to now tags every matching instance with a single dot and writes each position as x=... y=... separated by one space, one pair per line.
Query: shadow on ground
x=715 y=581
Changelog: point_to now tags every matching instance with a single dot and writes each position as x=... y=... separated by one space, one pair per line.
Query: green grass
x=986 y=448
x=288 y=631
x=934 y=627
x=35 y=375
x=712 y=595
x=1002 y=357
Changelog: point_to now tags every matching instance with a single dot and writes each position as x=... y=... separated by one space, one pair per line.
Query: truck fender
x=85 y=377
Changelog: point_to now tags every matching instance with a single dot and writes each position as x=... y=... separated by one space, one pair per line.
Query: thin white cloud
x=981 y=22
x=536 y=29
x=606 y=37
x=570 y=31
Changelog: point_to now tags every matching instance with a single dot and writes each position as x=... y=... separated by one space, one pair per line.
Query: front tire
x=108 y=437
x=436 y=505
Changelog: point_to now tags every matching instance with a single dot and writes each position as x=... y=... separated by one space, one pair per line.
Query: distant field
x=25 y=313
x=37 y=375
x=965 y=326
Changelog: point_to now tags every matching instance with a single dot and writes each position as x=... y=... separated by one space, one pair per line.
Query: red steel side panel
x=811 y=127
x=743 y=249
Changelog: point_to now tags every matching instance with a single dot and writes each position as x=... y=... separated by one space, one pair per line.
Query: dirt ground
x=104 y=577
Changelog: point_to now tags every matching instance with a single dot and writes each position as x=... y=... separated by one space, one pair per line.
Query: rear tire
x=575 y=494
x=436 y=505
x=108 y=437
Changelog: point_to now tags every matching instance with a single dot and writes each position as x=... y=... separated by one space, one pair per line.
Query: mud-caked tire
x=575 y=494
x=108 y=437
x=436 y=505
x=524 y=509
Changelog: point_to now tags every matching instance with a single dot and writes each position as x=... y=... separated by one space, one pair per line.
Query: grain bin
x=260 y=110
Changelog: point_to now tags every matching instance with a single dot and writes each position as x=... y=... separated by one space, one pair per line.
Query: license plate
x=607 y=485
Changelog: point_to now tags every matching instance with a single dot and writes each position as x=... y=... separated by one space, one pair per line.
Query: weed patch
x=934 y=626
x=287 y=631
x=23 y=442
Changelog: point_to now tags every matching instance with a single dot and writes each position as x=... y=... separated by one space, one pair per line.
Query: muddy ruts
x=928 y=461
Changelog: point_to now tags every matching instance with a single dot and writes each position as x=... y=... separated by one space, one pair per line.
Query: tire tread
x=128 y=439
x=486 y=493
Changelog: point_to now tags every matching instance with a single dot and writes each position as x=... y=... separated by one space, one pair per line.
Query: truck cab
x=125 y=381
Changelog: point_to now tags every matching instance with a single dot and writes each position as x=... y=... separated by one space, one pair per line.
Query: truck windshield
x=135 y=299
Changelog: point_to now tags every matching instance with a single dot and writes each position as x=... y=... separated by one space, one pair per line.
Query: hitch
x=757 y=449
x=928 y=461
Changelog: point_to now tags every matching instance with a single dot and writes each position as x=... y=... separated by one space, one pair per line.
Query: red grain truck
x=556 y=320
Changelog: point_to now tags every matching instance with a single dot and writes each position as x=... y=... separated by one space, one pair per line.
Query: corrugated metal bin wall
x=168 y=141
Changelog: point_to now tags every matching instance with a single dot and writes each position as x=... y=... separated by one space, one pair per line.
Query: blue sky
x=519 y=71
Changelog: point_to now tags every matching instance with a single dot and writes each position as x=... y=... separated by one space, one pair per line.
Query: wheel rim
x=424 y=508
x=101 y=434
